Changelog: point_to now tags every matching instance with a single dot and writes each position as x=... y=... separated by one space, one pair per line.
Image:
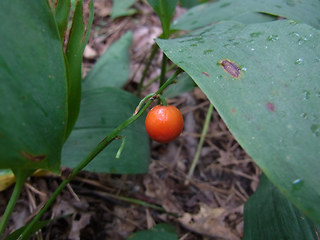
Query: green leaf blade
x=122 y=8
x=249 y=11
x=165 y=10
x=112 y=68
x=33 y=89
x=79 y=35
x=62 y=10
x=269 y=215
x=162 y=231
x=102 y=110
x=271 y=107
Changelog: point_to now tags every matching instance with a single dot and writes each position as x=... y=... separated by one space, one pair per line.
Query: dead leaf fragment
x=210 y=222
x=90 y=53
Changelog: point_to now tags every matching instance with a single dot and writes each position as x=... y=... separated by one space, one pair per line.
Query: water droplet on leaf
x=255 y=34
x=304 y=115
x=273 y=37
x=299 y=61
x=208 y=51
x=297 y=184
x=315 y=130
x=306 y=95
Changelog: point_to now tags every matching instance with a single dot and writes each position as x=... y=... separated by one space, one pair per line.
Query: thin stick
x=203 y=135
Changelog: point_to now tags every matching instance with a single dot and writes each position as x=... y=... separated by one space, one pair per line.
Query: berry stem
x=162 y=100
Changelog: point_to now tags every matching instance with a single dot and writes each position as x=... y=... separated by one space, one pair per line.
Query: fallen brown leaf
x=210 y=222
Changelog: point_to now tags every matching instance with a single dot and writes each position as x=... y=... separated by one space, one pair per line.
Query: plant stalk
x=172 y=66
x=20 y=176
x=163 y=69
x=104 y=143
x=154 y=50
x=203 y=135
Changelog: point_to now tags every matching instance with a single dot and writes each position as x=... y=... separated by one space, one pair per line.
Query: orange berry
x=164 y=123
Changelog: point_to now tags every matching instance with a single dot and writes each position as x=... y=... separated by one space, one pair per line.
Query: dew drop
x=315 y=128
x=255 y=34
x=306 y=95
x=273 y=37
x=302 y=40
x=297 y=184
x=299 y=61
x=304 y=115
x=208 y=51
x=194 y=22
x=291 y=2
x=224 y=5
x=295 y=34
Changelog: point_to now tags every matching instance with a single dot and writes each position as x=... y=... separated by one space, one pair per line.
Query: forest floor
x=208 y=206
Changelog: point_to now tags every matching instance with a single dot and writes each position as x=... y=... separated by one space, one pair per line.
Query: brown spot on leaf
x=205 y=73
x=270 y=106
x=230 y=67
x=233 y=110
x=33 y=158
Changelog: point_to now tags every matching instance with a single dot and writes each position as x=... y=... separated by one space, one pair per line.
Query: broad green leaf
x=62 y=9
x=78 y=38
x=269 y=215
x=184 y=84
x=165 y=10
x=122 y=8
x=162 y=231
x=264 y=81
x=112 y=68
x=190 y=3
x=301 y=11
x=33 y=89
x=102 y=110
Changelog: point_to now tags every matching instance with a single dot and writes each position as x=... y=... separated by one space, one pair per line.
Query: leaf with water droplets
x=249 y=11
x=275 y=95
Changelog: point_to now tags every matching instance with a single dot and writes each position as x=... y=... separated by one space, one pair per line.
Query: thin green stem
x=142 y=102
x=123 y=143
x=172 y=66
x=163 y=69
x=203 y=135
x=154 y=50
x=20 y=176
x=162 y=100
x=104 y=143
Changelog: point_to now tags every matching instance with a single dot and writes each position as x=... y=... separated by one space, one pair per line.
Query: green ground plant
x=256 y=61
